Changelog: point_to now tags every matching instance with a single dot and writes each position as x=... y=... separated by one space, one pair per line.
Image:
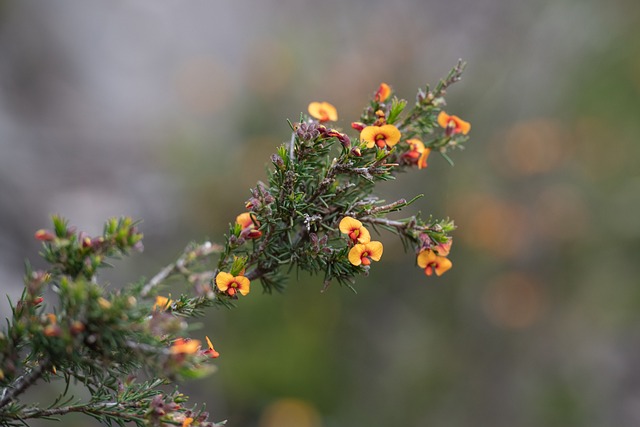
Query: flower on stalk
x=363 y=253
x=211 y=352
x=382 y=136
x=417 y=154
x=382 y=93
x=323 y=111
x=248 y=225
x=354 y=229
x=431 y=263
x=453 y=124
x=231 y=284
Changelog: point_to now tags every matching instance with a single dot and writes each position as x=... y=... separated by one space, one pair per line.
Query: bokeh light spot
x=514 y=301
x=532 y=147
x=290 y=413
x=560 y=213
x=491 y=224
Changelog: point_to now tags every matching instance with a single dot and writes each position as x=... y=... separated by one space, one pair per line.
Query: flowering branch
x=312 y=213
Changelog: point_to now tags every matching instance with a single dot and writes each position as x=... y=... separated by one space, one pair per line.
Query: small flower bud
x=44 y=235
x=344 y=140
x=358 y=126
x=277 y=161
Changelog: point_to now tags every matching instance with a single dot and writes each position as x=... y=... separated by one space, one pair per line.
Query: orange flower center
x=365 y=258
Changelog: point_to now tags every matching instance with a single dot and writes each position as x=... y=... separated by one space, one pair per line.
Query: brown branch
x=189 y=255
x=22 y=383
x=109 y=409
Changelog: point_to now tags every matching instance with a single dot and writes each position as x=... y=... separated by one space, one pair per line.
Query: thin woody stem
x=110 y=409
x=384 y=221
x=180 y=265
x=24 y=382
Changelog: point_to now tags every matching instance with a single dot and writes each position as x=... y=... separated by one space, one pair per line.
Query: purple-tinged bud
x=344 y=140
x=277 y=161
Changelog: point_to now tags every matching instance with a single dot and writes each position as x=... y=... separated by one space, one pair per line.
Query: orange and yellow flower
x=363 y=253
x=232 y=284
x=417 y=154
x=162 y=303
x=187 y=422
x=431 y=263
x=453 y=124
x=211 y=352
x=354 y=229
x=383 y=92
x=248 y=225
x=323 y=111
x=382 y=136
x=185 y=346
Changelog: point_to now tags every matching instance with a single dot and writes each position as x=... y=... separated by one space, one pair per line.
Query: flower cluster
x=315 y=193
x=364 y=249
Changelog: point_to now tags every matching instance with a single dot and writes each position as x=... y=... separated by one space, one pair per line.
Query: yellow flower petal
x=383 y=92
x=364 y=236
x=348 y=224
x=223 y=280
x=459 y=125
x=323 y=111
x=162 y=303
x=244 y=219
x=386 y=135
x=186 y=346
x=422 y=161
x=443 y=265
x=243 y=284
x=355 y=254
x=375 y=250
x=425 y=258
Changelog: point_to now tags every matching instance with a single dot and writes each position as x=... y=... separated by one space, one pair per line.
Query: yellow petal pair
x=354 y=229
x=431 y=263
x=230 y=284
x=382 y=136
x=363 y=253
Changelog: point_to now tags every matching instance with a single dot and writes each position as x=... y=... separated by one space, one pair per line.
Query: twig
x=189 y=255
x=109 y=409
x=24 y=382
x=291 y=146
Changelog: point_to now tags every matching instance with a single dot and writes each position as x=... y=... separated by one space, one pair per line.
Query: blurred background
x=168 y=112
